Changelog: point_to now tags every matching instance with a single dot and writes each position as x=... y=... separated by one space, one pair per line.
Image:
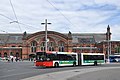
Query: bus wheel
x=95 y=63
x=74 y=63
x=56 y=64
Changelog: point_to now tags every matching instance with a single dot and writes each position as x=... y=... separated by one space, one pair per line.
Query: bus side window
x=70 y=57
x=52 y=57
x=74 y=57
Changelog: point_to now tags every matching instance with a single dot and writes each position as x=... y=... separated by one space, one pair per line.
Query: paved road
x=110 y=74
x=21 y=70
x=80 y=74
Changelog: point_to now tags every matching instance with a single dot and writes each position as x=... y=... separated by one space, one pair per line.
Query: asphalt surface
x=98 y=73
x=110 y=74
x=21 y=70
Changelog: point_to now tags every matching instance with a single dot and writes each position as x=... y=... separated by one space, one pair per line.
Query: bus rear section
x=92 y=58
x=56 y=59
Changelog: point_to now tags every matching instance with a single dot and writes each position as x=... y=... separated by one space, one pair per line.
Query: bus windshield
x=40 y=56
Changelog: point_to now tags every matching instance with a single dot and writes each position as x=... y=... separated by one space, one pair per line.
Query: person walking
x=12 y=59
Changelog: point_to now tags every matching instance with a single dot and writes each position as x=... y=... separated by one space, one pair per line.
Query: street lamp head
x=46 y=40
x=14 y=22
x=49 y=23
x=42 y=23
x=45 y=23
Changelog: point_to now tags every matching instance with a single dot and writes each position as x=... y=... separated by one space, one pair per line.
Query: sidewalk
x=65 y=75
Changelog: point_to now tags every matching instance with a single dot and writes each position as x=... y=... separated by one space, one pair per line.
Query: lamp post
x=45 y=23
x=108 y=43
x=108 y=50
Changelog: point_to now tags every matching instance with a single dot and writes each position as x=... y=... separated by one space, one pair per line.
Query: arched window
x=33 y=46
x=42 y=46
x=13 y=46
x=5 y=54
x=17 y=54
x=19 y=46
x=61 y=46
x=51 y=46
x=11 y=53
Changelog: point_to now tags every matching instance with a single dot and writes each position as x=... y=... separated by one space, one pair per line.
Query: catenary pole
x=45 y=23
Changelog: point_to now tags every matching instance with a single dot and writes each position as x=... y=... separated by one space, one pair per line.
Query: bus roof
x=92 y=53
x=115 y=55
x=56 y=52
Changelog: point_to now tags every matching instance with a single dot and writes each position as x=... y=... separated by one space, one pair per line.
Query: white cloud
x=108 y=1
x=115 y=29
x=73 y=15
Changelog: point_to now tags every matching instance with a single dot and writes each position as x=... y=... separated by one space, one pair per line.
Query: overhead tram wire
x=6 y=17
x=28 y=25
x=18 y=22
x=15 y=15
x=61 y=13
x=22 y=24
x=2 y=30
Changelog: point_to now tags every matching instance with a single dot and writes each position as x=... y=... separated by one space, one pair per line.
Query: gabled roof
x=76 y=37
x=10 y=38
x=48 y=32
x=88 y=37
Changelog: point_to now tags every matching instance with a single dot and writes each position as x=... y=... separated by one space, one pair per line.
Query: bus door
x=79 y=58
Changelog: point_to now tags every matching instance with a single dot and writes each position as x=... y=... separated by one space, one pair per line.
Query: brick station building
x=25 y=45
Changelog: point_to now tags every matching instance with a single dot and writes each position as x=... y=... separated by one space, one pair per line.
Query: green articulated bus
x=56 y=59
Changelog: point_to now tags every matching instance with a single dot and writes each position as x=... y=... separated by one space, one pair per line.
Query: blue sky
x=83 y=16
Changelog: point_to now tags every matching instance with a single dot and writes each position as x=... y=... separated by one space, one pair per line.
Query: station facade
x=26 y=45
